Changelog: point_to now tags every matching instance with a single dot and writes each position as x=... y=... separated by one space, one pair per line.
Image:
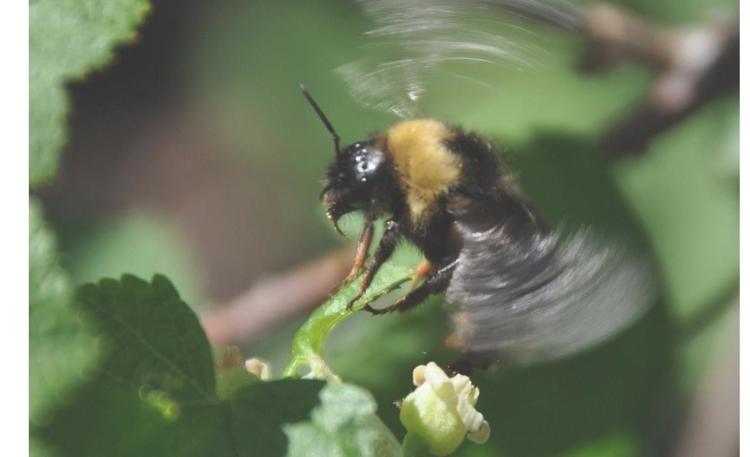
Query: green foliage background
x=122 y=367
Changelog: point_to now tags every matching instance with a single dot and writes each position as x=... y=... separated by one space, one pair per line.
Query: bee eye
x=363 y=162
x=364 y=167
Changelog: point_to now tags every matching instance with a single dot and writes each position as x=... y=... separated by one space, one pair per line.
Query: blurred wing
x=416 y=42
x=541 y=296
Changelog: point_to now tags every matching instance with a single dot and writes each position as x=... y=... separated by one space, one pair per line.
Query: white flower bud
x=259 y=368
x=441 y=410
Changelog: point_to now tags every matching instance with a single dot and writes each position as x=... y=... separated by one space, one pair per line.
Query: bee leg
x=422 y=271
x=388 y=242
x=437 y=282
x=363 y=246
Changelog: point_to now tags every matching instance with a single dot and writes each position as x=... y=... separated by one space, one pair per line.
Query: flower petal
x=417 y=375
x=480 y=436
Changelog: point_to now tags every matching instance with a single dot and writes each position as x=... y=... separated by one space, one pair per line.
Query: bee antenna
x=322 y=117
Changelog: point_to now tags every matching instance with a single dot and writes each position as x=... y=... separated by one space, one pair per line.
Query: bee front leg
x=363 y=246
x=388 y=242
x=435 y=283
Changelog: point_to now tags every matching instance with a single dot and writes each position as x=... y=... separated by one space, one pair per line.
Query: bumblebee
x=516 y=286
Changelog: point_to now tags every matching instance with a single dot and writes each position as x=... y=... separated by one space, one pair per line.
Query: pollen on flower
x=441 y=410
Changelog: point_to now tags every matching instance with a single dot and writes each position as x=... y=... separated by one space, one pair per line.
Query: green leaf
x=689 y=206
x=61 y=349
x=307 y=346
x=167 y=349
x=154 y=391
x=344 y=424
x=67 y=38
x=154 y=355
x=247 y=425
x=259 y=412
x=106 y=417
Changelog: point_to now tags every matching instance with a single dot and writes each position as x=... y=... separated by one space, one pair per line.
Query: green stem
x=307 y=345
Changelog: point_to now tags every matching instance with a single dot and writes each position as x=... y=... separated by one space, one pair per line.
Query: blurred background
x=194 y=155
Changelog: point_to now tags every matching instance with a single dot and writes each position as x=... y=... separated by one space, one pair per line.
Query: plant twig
x=693 y=65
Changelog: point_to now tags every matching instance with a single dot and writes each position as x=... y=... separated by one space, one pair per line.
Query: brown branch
x=275 y=299
x=693 y=65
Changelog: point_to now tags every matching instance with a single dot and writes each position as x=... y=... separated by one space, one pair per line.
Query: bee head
x=357 y=180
